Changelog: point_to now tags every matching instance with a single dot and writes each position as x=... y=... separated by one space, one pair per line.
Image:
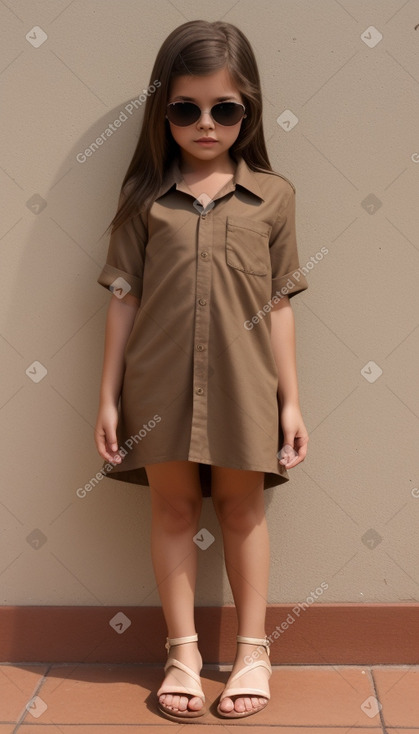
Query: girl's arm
x=119 y=322
x=284 y=352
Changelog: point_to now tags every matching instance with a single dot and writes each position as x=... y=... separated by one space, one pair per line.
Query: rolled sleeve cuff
x=289 y=284
x=120 y=283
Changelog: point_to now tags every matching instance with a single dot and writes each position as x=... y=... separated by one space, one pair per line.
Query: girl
x=199 y=385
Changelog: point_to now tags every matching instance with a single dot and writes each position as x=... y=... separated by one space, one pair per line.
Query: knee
x=176 y=515
x=237 y=515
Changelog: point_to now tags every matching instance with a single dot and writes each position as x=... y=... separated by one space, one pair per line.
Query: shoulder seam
x=287 y=180
x=281 y=175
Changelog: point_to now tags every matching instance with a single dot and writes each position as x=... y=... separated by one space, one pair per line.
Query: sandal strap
x=171 y=641
x=263 y=641
x=194 y=690
x=232 y=690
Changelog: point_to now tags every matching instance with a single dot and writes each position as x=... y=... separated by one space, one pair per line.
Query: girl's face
x=204 y=91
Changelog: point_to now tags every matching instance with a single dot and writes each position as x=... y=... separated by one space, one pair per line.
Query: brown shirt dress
x=200 y=381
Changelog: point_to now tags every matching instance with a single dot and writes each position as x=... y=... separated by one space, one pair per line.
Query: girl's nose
x=205 y=120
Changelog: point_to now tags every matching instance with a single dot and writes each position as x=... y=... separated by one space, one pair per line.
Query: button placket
x=201 y=333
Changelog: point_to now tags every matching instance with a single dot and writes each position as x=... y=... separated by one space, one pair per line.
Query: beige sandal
x=233 y=690
x=193 y=690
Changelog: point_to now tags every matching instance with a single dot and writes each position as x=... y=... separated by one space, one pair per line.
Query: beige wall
x=355 y=139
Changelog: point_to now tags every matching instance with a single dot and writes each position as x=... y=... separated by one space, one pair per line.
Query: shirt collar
x=243 y=176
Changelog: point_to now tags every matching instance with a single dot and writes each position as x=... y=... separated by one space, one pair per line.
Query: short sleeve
x=123 y=270
x=287 y=277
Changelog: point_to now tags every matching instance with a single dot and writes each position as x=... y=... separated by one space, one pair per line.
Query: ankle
x=250 y=652
x=185 y=645
x=182 y=638
x=188 y=654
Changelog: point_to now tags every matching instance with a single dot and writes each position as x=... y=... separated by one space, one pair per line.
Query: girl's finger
x=112 y=453
x=103 y=448
x=287 y=455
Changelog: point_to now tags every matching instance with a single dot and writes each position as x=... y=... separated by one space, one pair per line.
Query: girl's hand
x=105 y=433
x=295 y=436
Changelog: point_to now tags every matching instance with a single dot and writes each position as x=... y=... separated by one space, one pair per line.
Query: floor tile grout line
x=208 y=666
x=322 y=727
x=35 y=692
x=380 y=711
x=341 y=728
x=344 y=729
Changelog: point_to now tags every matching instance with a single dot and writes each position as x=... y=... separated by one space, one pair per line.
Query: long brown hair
x=200 y=48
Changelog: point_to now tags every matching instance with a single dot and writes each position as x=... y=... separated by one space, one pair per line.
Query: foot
x=254 y=679
x=189 y=655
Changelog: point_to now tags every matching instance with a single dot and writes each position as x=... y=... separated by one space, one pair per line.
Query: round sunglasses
x=183 y=114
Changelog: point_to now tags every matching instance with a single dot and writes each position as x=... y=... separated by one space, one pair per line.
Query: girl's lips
x=205 y=140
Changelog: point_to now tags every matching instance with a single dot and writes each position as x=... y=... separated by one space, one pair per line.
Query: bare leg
x=239 y=504
x=176 y=501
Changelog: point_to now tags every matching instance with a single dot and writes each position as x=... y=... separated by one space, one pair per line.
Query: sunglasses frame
x=201 y=112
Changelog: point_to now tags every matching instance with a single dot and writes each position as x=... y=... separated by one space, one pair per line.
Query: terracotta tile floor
x=92 y=699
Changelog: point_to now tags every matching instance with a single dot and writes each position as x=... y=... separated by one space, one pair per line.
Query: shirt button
x=199 y=391
x=204 y=255
x=203 y=216
x=202 y=302
x=200 y=347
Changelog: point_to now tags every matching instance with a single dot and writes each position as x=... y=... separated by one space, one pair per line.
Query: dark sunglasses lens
x=186 y=113
x=227 y=113
x=183 y=113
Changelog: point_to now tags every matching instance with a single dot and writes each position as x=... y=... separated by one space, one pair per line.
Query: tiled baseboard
x=317 y=634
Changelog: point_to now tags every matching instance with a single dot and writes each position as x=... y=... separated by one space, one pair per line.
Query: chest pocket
x=247 y=245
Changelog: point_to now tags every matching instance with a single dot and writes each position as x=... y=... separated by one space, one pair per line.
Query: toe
x=183 y=703
x=226 y=705
x=176 y=702
x=195 y=703
x=248 y=704
x=180 y=703
x=240 y=704
x=259 y=703
x=244 y=704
